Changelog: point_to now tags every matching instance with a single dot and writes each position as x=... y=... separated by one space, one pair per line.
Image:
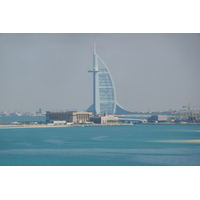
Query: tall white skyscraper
x=104 y=95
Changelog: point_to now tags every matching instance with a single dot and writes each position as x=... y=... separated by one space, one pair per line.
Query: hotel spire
x=94 y=47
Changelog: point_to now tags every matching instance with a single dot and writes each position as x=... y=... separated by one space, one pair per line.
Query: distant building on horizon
x=157 y=118
x=104 y=94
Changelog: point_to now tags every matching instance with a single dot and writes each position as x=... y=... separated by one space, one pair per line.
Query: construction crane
x=188 y=108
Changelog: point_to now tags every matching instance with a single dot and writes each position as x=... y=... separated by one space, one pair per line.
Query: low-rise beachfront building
x=106 y=119
x=68 y=116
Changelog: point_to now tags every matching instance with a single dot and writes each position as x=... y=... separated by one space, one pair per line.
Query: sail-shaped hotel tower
x=104 y=94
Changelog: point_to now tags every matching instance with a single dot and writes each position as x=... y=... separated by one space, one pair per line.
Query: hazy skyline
x=50 y=71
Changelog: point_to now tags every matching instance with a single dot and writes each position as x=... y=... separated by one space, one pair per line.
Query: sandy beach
x=31 y=126
x=178 y=141
x=57 y=126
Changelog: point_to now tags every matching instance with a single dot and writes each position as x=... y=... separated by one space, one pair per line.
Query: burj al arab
x=104 y=94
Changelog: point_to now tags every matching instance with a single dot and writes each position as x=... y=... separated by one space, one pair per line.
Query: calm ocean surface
x=139 y=145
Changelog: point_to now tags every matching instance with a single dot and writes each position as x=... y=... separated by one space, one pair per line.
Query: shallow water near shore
x=140 y=145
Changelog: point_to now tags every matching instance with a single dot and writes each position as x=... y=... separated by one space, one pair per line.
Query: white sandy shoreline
x=30 y=126
x=57 y=126
x=76 y=125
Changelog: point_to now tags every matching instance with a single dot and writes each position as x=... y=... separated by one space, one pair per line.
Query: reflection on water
x=99 y=138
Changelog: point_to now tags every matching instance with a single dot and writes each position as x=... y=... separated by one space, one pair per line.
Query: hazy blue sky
x=49 y=71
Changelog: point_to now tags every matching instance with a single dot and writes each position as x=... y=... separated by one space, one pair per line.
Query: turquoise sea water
x=139 y=145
